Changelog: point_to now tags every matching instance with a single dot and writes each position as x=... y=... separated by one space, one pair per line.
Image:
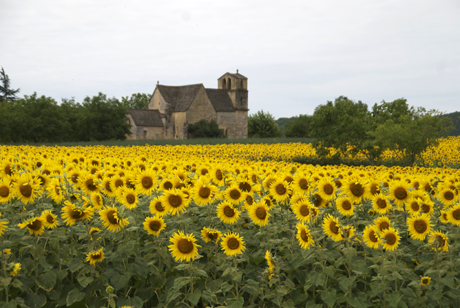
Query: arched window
x=224 y=84
x=229 y=85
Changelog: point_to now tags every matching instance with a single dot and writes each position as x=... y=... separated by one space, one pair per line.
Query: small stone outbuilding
x=172 y=108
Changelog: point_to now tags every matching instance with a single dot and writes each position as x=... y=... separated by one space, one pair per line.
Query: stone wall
x=201 y=108
x=234 y=124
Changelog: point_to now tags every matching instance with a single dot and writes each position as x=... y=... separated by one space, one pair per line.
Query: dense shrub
x=205 y=129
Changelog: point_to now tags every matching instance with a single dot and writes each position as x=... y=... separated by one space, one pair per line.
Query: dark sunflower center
x=338 y=184
x=7 y=170
x=204 y=171
x=107 y=187
x=219 y=175
x=384 y=225
x=228 y=211
x=26 y=190
x=245 y=186
x=304 y=235
x=93 y=231
x=77 y=214
x=328 y=189
x=449 y=196
x=372 y=237
x=50 y=219
x=390 y=238
x=130 y=198
x=400 y=193
x=90 y=185
x=270 y=182
x=428 y=188
x=303 y=183
x=111 y=218
x=249 y=200
x=159 y=207
x=280 y=189
x=57 y=190
x=204 y=192
x=147 y=182
x=35 y=225
x=420 y=226
x=317 y=200
x=357 y=189
x=304 y=210
x=456 y=214
x=155 y=225
x=175 y=201
x=235 y=194
x=381 y=203
x=375 y=189
x=261 y=213
x=96 y=256
x=268 y=202
x=425 y=281
x=426 y=208
x=233 y=243
x=118 y=183
x=168 y=185
x=4 y=191
x=185 y=246
x=333 y=227
x=441 y=241
x=414 y=206
x=42 y=180
x=212 y=235
x=346 y=205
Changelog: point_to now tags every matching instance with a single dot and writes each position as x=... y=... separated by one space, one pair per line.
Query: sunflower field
x=226 y=226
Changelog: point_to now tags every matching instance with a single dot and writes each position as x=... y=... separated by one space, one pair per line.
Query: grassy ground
x=177 y=142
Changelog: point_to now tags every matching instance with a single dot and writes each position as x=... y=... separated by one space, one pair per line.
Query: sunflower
x=331 y=227
x=26 y=188
x=413 y=206
x=280 y=190
x=49 y=219
x=116 y=182
x=348 y=231
x=55 y=191
x=300 y=183
x=93 y=231
x=371 y=237
x=168 y=184
x=304 y=236
x=443 y=217
x=6 y=168
x=89 y=183
x=6 y=192
x=248 y=200
x=427 y=207
x=156 y=207
x=303 y=210
x=345 y=206
x=6 y=252
x=217 y=176
x=390 y=238
x=419 y=226
x=97 y=201
x=447 y=196
x=233 y=194
x=175 y=201
x=382 y=223
x=326 y=189
x=3 y=227
x=318 y=201
x=128 y=197
x=425 y=280
x=106 y=187
x=399 y=192
x=227 y=213
x=380 y=203
x=154 y=225
x=94 y=257
x=183 y=246
x=36 y=226
x=259 y=214
x=268 y=182
x=111 y=219
x=16 y=268
x=271 y=265
x=209 y=234
x=373 y=188
x=71 y=213
x=233 y=244
x=355 y=189
x=453 y=214
x=146 y=182
x=439 y=241
x=203 y=191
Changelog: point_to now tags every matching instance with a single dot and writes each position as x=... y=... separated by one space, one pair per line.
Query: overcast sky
x=295 y=54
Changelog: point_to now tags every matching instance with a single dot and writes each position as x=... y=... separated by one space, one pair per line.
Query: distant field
x=177 y=142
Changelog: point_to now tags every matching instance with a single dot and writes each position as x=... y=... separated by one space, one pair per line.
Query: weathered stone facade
x=172 y=108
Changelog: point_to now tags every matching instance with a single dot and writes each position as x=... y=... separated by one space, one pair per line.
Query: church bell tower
x=237 y=87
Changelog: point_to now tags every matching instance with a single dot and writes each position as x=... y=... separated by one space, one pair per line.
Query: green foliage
x=262 y=124
x=337 y=161
x=6 y=93
x=299 y=126
x=136 y=101
x=282 y=123
x=205 y=129
x=455 y=118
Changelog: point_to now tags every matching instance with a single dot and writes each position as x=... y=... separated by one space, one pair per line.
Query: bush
x=205 y=129
x=262 y=125
x=337 y=161
x=300 y=126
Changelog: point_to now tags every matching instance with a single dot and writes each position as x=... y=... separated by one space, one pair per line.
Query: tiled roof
x=180 y=98
x=220 y=100
x=146 y=117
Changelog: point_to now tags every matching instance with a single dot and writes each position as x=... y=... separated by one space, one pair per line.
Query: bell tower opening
x=229 y=84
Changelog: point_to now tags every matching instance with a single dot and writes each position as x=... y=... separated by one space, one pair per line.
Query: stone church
x=172 y=108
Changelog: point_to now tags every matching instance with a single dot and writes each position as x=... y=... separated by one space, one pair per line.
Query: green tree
x=205 y=129
x=261 y=125
x=136 y=101
x=103 y=119
x=299 y=126
x=410 y=135
x=344 y=125
x=6 y=93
